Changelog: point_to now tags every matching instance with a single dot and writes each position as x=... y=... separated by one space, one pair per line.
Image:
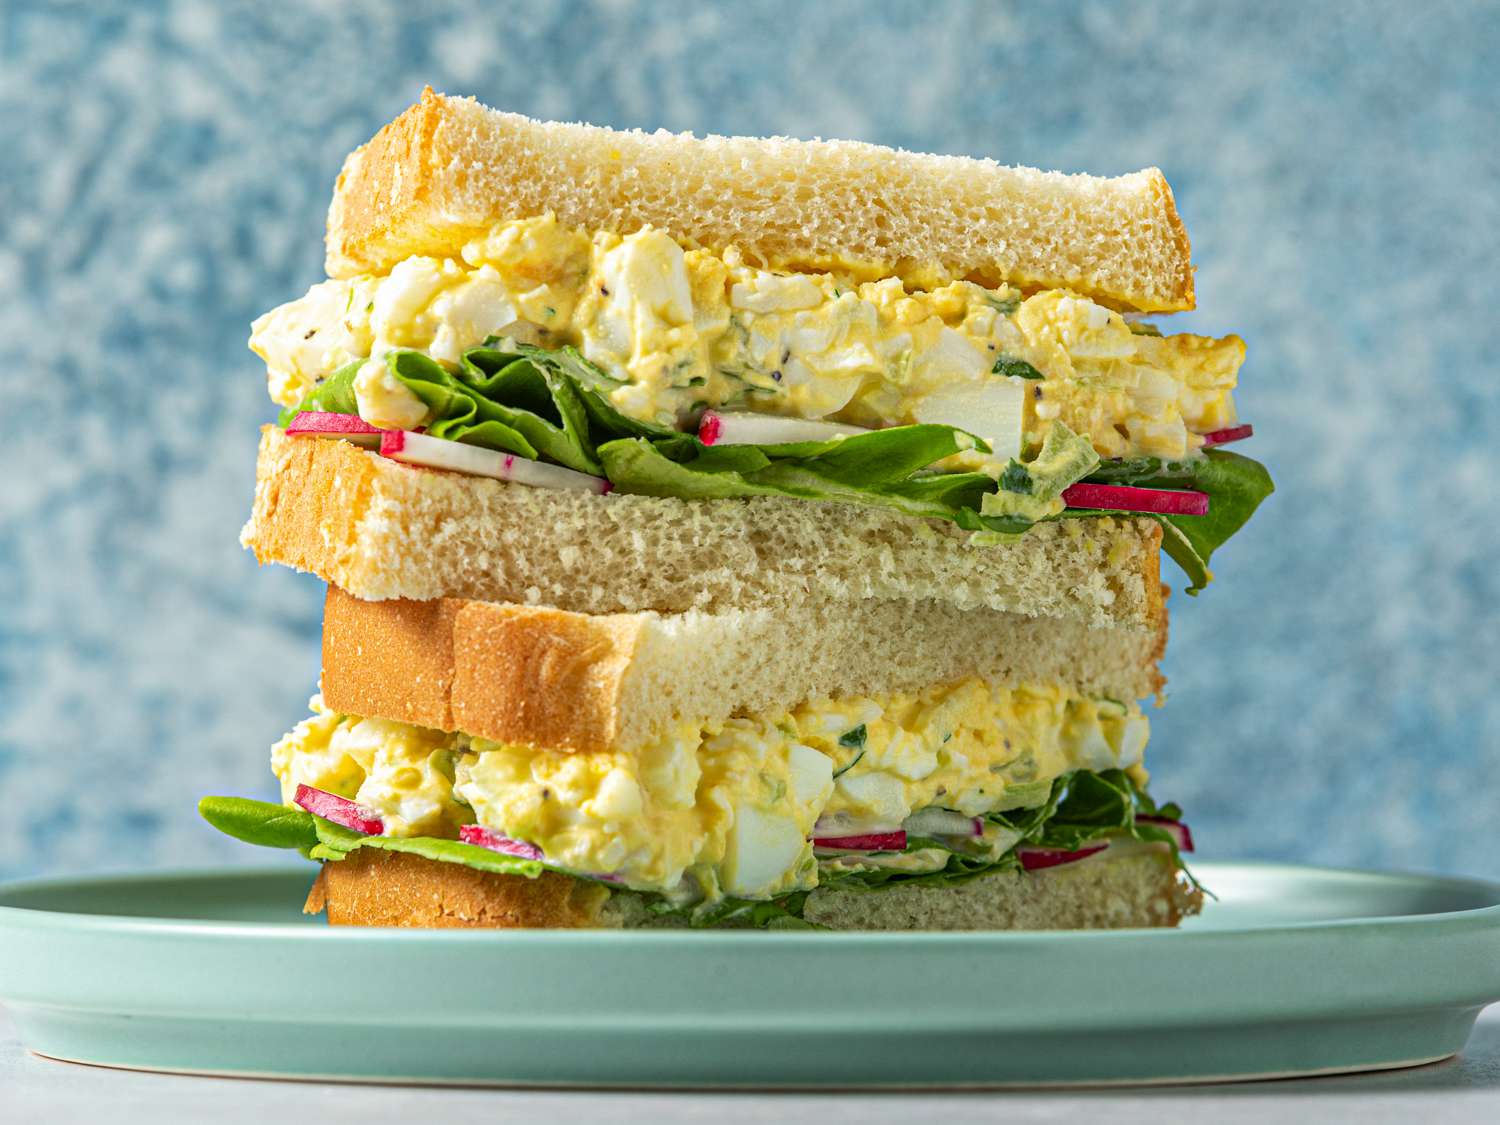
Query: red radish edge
x=1128 y=498
x=709 y=428
x=1034 y=859
x=329 y=422
x=874 y=842
x=482 y=837
x=1180 y=831
x=1225 y=436
x=392 y=441
x=339 y=810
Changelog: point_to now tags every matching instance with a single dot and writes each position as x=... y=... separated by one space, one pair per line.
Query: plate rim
x=38 y=918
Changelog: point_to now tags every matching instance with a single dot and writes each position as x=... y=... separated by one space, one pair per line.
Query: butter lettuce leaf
x=335 y=842
x=334 y=395
x=283 y=826
x=552 y=404
x=639 y=466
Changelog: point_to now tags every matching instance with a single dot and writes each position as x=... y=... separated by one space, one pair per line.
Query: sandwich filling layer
x=751 y=808
x=678 y=329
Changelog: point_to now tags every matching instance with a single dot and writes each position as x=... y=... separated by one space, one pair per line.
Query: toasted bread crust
x=448 y=168
x=518 y=674
x=377 y=888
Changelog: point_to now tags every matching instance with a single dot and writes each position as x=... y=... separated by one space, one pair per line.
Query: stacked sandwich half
x=728 y=532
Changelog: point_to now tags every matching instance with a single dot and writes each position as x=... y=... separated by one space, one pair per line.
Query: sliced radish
x=1224 y=437
x=483 y=837
x=323 y=423
x=1127 y=498
x=1180 y=832
x=413 y=448
x=1034 y=859
x=767 y=429
x=942 y=822
x=339 y=810
x=842 y=824
x=872 y=842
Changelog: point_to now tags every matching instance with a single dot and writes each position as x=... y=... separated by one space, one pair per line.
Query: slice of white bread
x=449 y=168
x=378 y=888
x=552 y=679
x=380 y=529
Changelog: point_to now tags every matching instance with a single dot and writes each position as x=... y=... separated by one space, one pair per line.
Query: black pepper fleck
x=776 y=376
x=1036 y=392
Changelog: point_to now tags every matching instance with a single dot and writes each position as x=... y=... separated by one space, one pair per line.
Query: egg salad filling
x=751 y=808
x=679 y=329
x=634 y=364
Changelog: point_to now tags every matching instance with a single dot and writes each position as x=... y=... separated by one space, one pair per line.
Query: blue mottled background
x=164 y=176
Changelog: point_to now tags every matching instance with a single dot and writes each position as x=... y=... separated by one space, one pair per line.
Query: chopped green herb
x=1016 y=478
x=853 y=739
x=1013 y=368
x=1141 y=328
x=1005 y=306
x=854 y=761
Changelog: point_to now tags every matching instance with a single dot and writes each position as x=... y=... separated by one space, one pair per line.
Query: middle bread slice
x=554 y=679
x=384 y=530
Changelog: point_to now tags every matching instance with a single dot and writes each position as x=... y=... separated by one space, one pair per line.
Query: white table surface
x=1466 y=1089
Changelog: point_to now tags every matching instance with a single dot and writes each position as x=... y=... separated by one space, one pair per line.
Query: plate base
x=1292 y=972
x=660 y=1058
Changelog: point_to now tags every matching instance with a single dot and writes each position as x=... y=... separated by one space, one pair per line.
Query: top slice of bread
x=448 y=169
x=380 y=530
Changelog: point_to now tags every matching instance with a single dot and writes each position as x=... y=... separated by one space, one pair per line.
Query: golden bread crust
x=371 y=887
x=520 y=674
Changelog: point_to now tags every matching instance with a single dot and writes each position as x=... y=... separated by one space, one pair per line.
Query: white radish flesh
x=437 y=453
x=767 y=429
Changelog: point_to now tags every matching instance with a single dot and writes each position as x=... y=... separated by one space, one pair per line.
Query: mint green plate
x=1293 y=971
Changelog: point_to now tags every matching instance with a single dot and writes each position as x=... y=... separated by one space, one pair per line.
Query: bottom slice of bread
x=1140 y=888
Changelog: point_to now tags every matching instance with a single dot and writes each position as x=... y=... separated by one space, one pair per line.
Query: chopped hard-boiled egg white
x=684 y=329
x=730 y=809
x=401 y=772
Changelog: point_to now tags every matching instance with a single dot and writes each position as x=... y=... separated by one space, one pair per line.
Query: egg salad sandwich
x=736 y=532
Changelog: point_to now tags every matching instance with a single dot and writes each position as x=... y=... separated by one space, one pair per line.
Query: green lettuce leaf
x=639 y=466
x=1235 y=484
x=281 y=826
x=335 y=842
x=334 y=395
x=552 y=404
x=257 y=822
